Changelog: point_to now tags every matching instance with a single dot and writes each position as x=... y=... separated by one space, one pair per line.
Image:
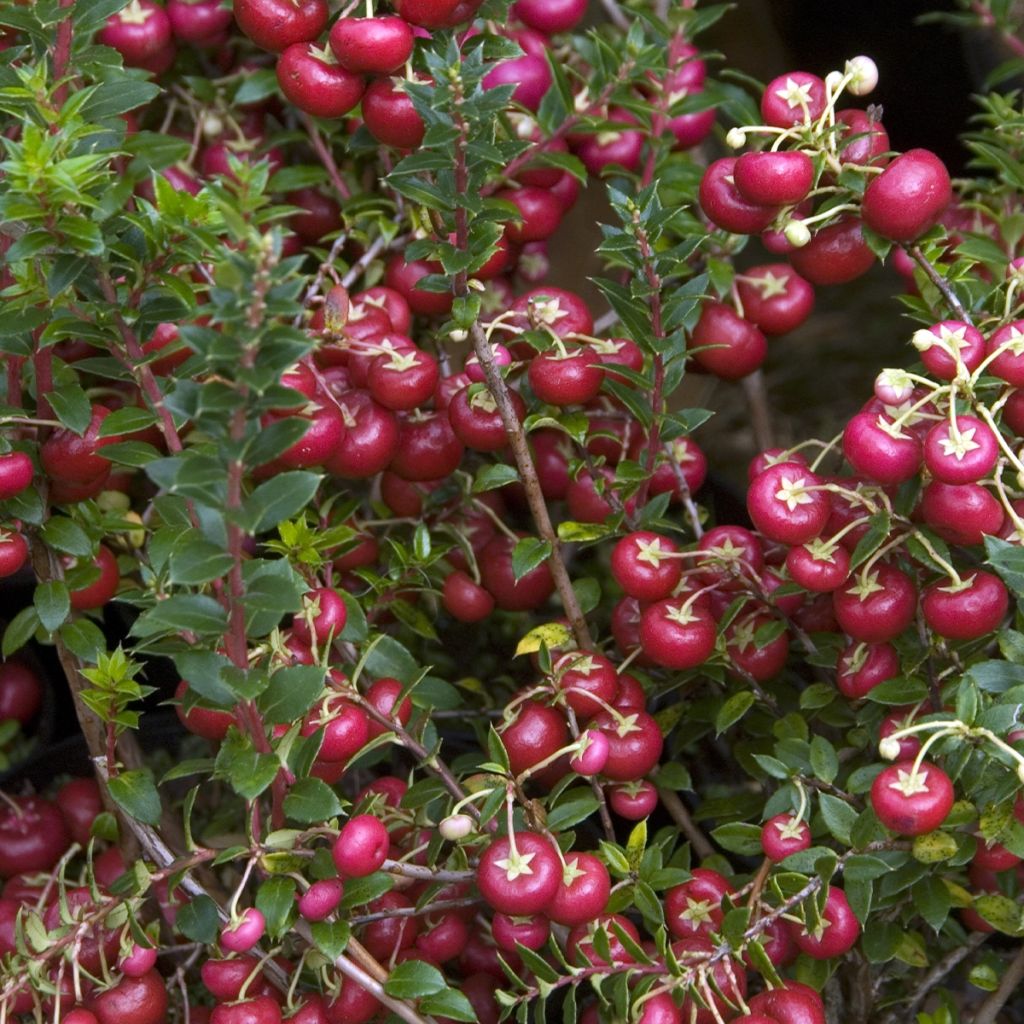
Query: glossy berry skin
x=586 y=680
x=427 y=447
x=784 y=835
x=908 y=197
x=634 y=744
x=315 y=85
x=909 y=802
x=539 y=214
x=72 y=459
x=141 y=33
x=32 y=839
x=371 y=46
x=369 y=441
x=725 y=206
x=550 y=16
x=403 y=380
x=464 y=599
x=726 y=344
x=258 y=1010
x=536 y=732
x=860 y=667
x=641 y=567
x=21 y=691
x=13 y=552
x=585 y=895
x=510 y=594
x=775 y=297
x=141 y=1000
x=80 y=802
x=346 y=729
x=16 y=472
x=243 y=934
x=677 y=637
x=836 y=254
x=969 y=612
x=774 y=179
x=433 y=14
x=404 y=277
x=877 y=606
x=201 y=23
x=880 y=451
x=531 y=932
x=561 y=310
x=940 y=344
x=1008 y=364
x=873 y=140
x=840 y=933
x=390 y=116
x=633 y=801
x=787 y=505
x=101 y=590
x=961 y=514
x=328 y=619
x=566 y=380
x=820 y=570
x=520 y=883
x=276 y=24
x=694 y=907
x=321 y=899
x=792 y=98
x=531 y=76
x=793 y=1003
x=361 y=847
x=963 y=459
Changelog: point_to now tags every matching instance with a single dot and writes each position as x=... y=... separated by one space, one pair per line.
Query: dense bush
x=485 y=713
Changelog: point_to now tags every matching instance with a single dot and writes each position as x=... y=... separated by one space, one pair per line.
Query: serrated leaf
x=550 y=635
x=838 y=815
x=413 y=979
x=528 y=554
x=312 y=802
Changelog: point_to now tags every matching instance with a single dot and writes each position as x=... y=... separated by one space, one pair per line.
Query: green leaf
x=312 y=802
x=733 y=710
x=389 y=658
x=291 y=693
x=330 y=937
x=71 y=406
x=277 y=499
x=488 y=478
x=839 y=816
x=194 y=561
x=413 y=979
x=20 y=630
x=824 y=761
x=879 y=526
x=52 y=603
x=529 y=553
x=63 y=534
x=83 y=638
x=739 y=837
x=574 y=806
x=197 y=920
x=249 y=772
x=1008 y=561
x=195 y=612
x=135 y=793
x=450 y=1003
x=275 y=900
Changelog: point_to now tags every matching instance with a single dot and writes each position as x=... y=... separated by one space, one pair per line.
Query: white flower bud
x=456 y=826
x=797 y=233
x=889 y=748
x=833 y=80
x=864 y=72
x=735 y=138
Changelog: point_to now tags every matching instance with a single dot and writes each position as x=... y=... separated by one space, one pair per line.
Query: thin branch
x=989 y=1010
x=760 y=413
x=323 y=151
x=954 y=303
x=939 y=971
x=615 y=15
x=681 y=816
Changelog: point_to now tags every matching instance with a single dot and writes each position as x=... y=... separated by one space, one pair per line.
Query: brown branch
x=760 y=413
x=323 y=151
x=989 y=1010
x=681 y=816
x=954 y=303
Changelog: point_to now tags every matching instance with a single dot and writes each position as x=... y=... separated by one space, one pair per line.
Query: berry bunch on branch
x=416 y=674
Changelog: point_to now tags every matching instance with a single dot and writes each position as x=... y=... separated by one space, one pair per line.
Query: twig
x=760 y=414
x=939 y=970
x=989 y=1010
x=954 y=303
x=362 y=977
x=425 y=874
x=376 y=247
x=323 y=151
x=314 y=289
x=615 y=15
x=681 y=816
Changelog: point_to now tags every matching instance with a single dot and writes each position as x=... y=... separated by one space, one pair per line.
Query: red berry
x=375 y=46
x=787 y=503
x=878 y=605
x=909 y=800
x=774 y=179
x=775 y=297
x=726 y=344
x=861 y=667
x=963 y=455
x=313 y=81
x=783 y=835
x=634 y=800
x=277 y=24
x=694 y=908
x=967 y=610
x=908 y=197
x=392 y=119
x=836 y=254
x=725 y=206
x=643 y=565
x=519 y=881
x=16 y=472
x=361 y=847
x=794 y=98
x=677 y=636
x=635 y=744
